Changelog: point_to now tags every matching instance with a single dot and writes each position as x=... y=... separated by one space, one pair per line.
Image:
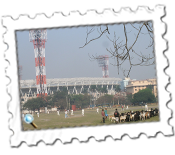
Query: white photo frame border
x=92 y=17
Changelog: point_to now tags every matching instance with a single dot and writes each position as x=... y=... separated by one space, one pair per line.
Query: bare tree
x=123 y=50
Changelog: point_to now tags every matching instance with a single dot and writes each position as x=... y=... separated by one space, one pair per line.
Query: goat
x=122 y=118
x=142 y=115
x=147 y=114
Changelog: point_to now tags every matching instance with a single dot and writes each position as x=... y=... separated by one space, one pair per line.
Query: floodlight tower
x=103 y=61
x=39 y=37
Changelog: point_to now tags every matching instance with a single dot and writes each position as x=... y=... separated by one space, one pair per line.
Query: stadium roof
x=72 y=82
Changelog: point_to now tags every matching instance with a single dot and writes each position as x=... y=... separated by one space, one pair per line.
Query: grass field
x=91 y=118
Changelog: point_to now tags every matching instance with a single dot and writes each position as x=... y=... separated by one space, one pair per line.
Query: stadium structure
x=28 y=88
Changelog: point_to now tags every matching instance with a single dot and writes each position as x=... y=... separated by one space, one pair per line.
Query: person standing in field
x=58 y=112
x=103 y=115
x=72 y=112
x=97 y=110
x=146 y=107
x=65 y=113
x=106 y=115
x=83 y=112
x=38 y=114
x=116 y=115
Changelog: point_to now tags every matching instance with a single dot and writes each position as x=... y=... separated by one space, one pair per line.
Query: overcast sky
x=64 y=58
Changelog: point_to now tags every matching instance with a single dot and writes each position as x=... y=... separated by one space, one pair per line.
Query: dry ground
x=91 y=118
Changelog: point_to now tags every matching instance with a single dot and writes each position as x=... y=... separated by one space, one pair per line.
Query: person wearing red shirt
x=103 y=115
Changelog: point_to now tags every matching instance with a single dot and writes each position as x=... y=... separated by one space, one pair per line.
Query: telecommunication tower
x=39 y=37
x=103 y=61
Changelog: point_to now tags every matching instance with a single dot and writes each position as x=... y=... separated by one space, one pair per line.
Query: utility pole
x=113 y=101
x=66 y=103
x=90 y=99
x=69 y=103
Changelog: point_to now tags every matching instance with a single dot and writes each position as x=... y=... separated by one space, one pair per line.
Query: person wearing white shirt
x=97 y=110
x=38 y=114
x=58 y=112
x=146 y=107
x=83 y=112
x=72 y=112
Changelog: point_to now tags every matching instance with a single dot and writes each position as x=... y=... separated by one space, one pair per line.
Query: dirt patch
x=72 y=116
x=45 y=119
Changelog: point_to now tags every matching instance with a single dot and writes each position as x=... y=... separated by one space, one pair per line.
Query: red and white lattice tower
x=39 y=37
x=103 y=61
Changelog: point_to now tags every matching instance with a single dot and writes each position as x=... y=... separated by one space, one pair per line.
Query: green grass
x=91 y=118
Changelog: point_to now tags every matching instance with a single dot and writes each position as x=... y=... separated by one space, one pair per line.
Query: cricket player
x=58 y=112
x=83 y=112
x=146 y=107
x=72 y=112
x=97 y=110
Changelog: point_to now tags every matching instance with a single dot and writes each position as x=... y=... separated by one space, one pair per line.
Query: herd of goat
x=135 y=115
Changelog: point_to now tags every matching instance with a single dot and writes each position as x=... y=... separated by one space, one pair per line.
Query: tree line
x=62 y=100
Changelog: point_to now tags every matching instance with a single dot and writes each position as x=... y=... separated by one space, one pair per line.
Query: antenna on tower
x=39 y=37
x=103 y=61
